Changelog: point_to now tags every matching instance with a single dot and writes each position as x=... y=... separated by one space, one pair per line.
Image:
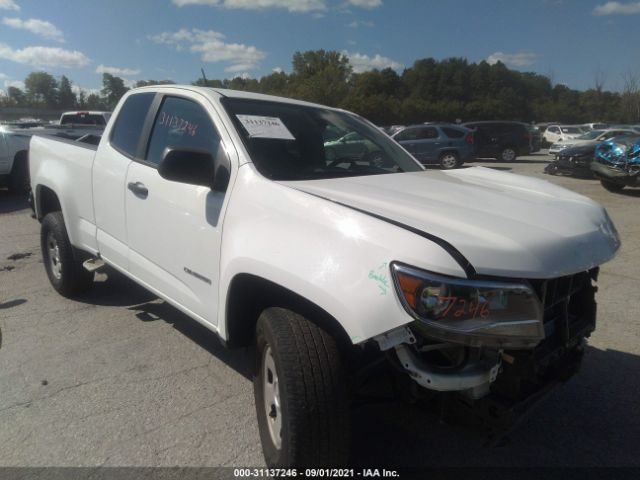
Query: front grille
x=569 y=316
x=569 y=307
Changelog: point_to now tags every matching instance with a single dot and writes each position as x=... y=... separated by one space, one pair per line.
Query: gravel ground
x=119 y=378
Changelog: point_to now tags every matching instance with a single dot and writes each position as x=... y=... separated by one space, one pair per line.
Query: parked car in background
x=617 y=163
x=574 y=161
x=14 y=169
x=85 y=118
x=595 y=126
x=536 y=138
x=591 y=138
x=555 y=133
x=351 y=146
x=446 y=145
x=504 y=141
x=391 y=129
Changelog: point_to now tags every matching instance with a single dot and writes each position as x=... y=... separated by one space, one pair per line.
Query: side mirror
x=187 y=165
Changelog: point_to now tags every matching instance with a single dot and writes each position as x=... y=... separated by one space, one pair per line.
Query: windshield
x=593 y=134
x=296 y=142
x=570 y=130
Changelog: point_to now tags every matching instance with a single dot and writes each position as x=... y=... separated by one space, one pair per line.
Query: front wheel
x=300 y=393
x=66 y=273
x=611 y=186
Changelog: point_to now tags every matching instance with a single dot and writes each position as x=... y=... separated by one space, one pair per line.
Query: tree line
x=429 y=90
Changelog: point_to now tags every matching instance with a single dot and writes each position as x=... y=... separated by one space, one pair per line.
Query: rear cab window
x=126 y=132
x=83 y=118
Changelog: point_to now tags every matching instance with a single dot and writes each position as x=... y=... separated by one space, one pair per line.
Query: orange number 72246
x=460 y=306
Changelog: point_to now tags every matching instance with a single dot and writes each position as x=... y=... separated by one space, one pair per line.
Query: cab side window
x=181 y=123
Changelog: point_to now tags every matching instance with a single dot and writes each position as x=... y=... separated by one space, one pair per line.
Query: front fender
x=335 y=257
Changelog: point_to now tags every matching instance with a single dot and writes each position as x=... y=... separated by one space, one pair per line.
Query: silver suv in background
x=440 y=144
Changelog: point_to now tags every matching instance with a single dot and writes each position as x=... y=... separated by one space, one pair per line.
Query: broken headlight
x=471 y=312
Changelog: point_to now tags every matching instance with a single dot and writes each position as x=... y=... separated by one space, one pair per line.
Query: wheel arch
x=248 y=295
x=46 y=201
x=20 y=156
x=510 y=145
x=447 y=150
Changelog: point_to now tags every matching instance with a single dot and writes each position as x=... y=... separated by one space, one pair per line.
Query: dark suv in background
x=443 y=144
x=501 y=140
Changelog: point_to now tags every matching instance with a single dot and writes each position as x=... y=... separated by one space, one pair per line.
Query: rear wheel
x=449 y=160
x=300 y=393
x=66 y=273
x=508 y=154
x=612 y=186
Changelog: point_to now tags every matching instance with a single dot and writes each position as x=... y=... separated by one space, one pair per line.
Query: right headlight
x=471 y=312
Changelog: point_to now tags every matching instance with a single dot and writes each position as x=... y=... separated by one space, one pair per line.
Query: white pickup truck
x=473 y=285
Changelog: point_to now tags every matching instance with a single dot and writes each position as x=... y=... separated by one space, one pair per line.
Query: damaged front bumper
x=496 y=385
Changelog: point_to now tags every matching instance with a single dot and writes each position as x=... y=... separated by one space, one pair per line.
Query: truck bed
x=65 y=166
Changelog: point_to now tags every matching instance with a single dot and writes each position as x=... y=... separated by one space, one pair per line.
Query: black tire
x=312 y=393
x=449 y=160
x=66 y=273
x=508 y=154
x=19 y=178
x=611 y=186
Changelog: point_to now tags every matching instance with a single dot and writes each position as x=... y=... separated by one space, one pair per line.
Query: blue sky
x=158 y=39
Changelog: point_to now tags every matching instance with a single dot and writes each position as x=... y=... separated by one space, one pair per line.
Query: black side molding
x=450 y=249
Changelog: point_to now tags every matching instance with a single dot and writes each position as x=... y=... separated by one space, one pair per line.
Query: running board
x=93 y=264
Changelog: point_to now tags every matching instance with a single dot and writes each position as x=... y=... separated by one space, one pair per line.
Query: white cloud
x=14 y=83
x=8 y=5
x=361 y=62
x=243 y=75
x=617 y=8
x=212 y=48
x=291 y=5
x=361 y=23
x=365 y=3
x=277 y=70
x=520 y=59
x=4 y=76
x=87 y=91
x=45 y=56
x=240 y=67
x=39 y=27
x=117 y=71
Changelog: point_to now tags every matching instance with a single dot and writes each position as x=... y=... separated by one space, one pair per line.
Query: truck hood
x=503 y=224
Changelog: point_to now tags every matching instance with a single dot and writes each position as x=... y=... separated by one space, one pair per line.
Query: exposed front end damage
x=618 y=161
x=493 y=383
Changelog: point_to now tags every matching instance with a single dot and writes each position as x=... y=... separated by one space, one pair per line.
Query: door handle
x=138 y=189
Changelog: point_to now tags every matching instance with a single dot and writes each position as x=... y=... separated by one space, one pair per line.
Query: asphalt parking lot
x=119 y=378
